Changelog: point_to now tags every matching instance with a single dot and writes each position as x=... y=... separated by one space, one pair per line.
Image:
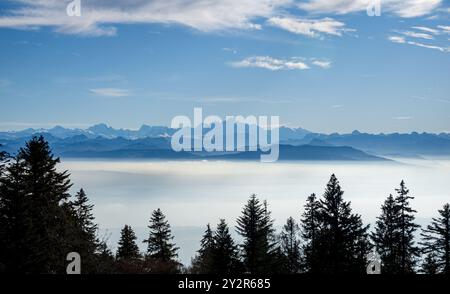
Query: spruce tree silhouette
x=225 y=252
x=311 y=226
x=32 y=193
x=290 y=246
x=128 y=248
x=343 y=239
x=386 y=236
x=161 y=251
x=409 y=252
x=256 y=228
x=436 y=241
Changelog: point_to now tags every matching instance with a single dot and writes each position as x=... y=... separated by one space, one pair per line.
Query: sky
x=323 y=65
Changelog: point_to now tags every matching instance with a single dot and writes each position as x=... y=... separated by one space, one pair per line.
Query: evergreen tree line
x=40 y=222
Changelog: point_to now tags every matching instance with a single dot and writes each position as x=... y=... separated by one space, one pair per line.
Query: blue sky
x=322 y=65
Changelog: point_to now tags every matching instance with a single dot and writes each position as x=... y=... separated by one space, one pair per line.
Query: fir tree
x=408 y=251
x=128 y=249
x=225 y=258
x=310 y=223
x=342 y=238
x=203 y=262
x=436 y=240
x=386 y=237
x=256 y=228
x=160 y=243
x=290 y=245
x=32 y=196
x=16 y=225
x=84 y=234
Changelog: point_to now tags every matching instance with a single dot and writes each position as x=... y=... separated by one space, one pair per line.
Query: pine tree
x=225 y=258
x=436 y=240
x=386 y=237
x=343 y=239
x=256 y=228
x=290 y=245
x=203 y=262
x=310 y=223
x=128 y=249
x=84 y=233
x=160 y=244
x=408 y=251
x=16 y=224
x=32 y=197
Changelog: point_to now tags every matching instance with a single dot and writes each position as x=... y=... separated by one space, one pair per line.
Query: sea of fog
x=192 y=194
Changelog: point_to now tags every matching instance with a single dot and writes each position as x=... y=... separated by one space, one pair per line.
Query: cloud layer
x=98 y=17
x=402 y=8
x=275 y=64
x=309 y=27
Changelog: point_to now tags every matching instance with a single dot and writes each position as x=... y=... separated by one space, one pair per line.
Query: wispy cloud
x=403 y=40
x=111 y=92
x=403 y=118
x=417 y=35
x=271 y=63
x=439 y=48
x=322 y=63
x=313 y=28
x=232 y=50
x=402 y=8
x=397 y=39
x=445 y=29
x=427 y=29
x=99 y=16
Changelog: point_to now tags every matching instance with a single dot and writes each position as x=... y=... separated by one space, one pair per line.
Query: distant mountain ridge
x=102 y=139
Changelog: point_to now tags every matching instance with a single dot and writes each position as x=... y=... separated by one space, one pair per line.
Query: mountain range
x=102 y=141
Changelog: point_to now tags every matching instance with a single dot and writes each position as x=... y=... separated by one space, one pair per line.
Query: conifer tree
x=310 y=224
x=386 y=237
x=160 y=245
x=290 y=246
x=343 y=239
x=256 y=228
x=128 y=249
x=436 y=240
x=408 y=251
x=203 y=262
x=32 y=196
x=16 y=224
x=225 y=258
x=84 y=233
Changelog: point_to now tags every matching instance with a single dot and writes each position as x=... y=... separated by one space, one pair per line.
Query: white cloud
x=402 y=40
x=442 y=49
x=428 y=30
x=271 y=63
x=322 y=63
x=110 y=92
x=417 y=35
x=99 y=16
x=397 y=39
x=309 y=27
x=445 y=29
x=402 y=8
